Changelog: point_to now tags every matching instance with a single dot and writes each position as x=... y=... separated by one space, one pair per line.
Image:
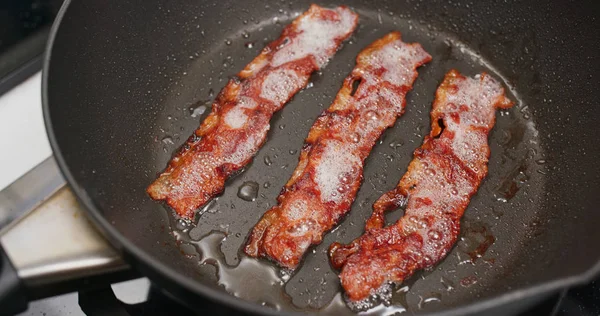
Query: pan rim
x=163 y=274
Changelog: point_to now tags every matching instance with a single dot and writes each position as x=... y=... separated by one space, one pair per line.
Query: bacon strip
x=237 y=126
x=329 y=170
x=443 y=175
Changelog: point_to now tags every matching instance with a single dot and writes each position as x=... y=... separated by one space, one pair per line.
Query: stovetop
x=24 y=145
x=138 y=297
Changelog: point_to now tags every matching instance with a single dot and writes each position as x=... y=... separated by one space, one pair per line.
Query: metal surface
x=22 y=124
x=66 y=245
x=113 y=113
x=29 y=191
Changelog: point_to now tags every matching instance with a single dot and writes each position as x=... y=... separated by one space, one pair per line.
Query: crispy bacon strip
x=238 y=123
x=443 y=175
x=329 y=170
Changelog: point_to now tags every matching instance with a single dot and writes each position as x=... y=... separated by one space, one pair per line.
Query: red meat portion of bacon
x=237 y=126
x=329 y=171
x=443 y=175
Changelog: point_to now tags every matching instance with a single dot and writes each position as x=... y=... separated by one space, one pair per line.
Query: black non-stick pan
x=126 y=82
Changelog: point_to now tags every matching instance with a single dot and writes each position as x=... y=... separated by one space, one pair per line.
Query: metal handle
x=53 y=247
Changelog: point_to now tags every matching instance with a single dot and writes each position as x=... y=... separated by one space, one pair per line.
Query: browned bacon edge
x=239 y=120
x=329 y=172
x=443 y=175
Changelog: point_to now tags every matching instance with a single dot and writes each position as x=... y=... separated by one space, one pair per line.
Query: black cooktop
x=24 y=28
x=578 y=301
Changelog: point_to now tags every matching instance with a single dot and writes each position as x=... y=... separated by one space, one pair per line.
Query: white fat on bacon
x=317 y=38
x=476 y=94
x=296 y=209
x=470 y=142
x=396 y=59
x=247 y=103
x=338 y=161
x=280 y=84
x=247 y=147
x=236 y=117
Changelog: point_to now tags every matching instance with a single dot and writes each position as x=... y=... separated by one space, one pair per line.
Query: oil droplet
x=245 y=34
x=183 y=225
x=540 y=161
x=249 y=45
x=345 y=179
x=227 y=42
x=195 y=112
x=266 y=185
x=167 y=140
x=268 y=161
x=209 y=207
x=293 y=151
x=433 y=297
x=248 y=191
x=281 y=126
x=284 y=275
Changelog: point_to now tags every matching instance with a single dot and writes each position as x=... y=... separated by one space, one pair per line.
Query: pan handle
x=52 y=248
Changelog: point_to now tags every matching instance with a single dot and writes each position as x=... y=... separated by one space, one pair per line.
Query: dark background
x=24 y=27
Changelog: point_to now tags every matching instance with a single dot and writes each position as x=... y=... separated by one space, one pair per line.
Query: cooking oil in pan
x=262 y=283
x=250 y=280
x=515 y=180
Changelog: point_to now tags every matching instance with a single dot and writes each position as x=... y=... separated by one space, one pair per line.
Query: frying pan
x=125 y=82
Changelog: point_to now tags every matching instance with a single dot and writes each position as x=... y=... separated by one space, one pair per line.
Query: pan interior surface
x=118 y=116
